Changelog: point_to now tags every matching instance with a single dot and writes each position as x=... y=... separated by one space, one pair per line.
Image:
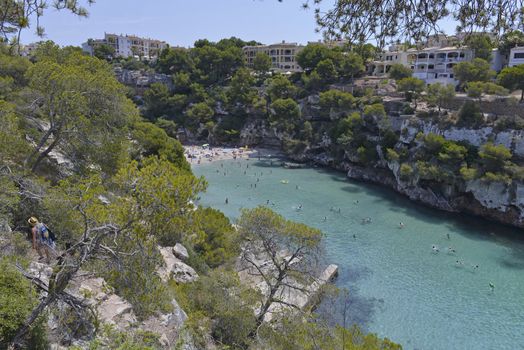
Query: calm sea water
x=399 y=286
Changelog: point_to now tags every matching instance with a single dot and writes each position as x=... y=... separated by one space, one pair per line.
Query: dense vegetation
x=114 y=186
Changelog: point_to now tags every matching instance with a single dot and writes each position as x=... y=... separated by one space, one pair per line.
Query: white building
x=29 y=49
x=433 y=63
x=283 y=55
x=127 y=45
x=516 y=56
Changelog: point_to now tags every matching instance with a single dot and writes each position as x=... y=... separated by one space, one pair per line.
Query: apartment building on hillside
x=283 y=55
x=516 y=56
x=127 y=45
x=433 y=63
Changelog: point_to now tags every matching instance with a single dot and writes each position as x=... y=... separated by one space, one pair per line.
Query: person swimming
x=227 y=200
x=300 y=207
x=447 y=235
x=435 y=248
x=401 y=224
x=451 y=250
x=491 y=286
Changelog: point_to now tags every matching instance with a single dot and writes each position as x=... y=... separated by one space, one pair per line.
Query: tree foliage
x=476 y=70
x=512 y=78
x=361 y=20
x=285 y=113
x=16 y=16
x=439 y=95
x=399 y=71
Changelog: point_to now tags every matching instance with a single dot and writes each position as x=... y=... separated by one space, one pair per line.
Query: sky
x=181 y=22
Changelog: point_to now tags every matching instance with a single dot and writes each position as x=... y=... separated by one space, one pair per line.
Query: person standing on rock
x=42 y=238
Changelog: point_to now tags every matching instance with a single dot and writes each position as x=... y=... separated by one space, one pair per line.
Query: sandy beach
x=200 y=154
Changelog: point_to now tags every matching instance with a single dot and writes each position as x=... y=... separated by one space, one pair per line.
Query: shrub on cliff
x=494 y=157
x=336 y=101
x=391 y=155
x=469 y=115
x=405 y=171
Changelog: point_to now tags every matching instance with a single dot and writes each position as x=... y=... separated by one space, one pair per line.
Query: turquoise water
x=399 y=287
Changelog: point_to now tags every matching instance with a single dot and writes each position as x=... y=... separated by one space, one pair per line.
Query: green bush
x=221 y=298
x=468 y=174
x=216 y=241
x=470 y=115
x=494 y=157
x=405 y=171
x=391 y=155
x=17 y=299
x=496 y=177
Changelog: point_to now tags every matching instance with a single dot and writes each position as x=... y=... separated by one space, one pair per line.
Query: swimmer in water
x=401 y=225
x=491 y=286
x=300 y=207
x=354 y=237
x=227 y=200
x=267 y=202
x=296 y=187
x=435 y=248
x=451 y=250
x=447 y=235
x=325 y=218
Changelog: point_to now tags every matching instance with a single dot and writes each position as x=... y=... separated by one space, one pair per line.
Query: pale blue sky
x=181 y=22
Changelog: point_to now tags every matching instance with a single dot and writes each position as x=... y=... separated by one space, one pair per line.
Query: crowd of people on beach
x=197 y=154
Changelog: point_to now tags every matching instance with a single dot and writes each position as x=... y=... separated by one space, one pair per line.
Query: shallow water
x=399 y=287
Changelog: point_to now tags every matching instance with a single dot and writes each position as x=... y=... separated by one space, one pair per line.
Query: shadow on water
x=360 y=310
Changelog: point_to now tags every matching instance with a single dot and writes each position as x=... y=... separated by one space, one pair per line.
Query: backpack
x=46 y=233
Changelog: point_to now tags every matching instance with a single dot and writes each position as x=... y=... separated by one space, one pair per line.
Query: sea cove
x=413 y=285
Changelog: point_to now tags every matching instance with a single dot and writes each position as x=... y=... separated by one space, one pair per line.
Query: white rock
x=180 y=252
x=175 y=268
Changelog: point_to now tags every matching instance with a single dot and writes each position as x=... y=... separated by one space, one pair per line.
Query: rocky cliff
x=501 y=201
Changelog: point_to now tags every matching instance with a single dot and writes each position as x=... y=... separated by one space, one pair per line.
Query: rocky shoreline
x=459 y=203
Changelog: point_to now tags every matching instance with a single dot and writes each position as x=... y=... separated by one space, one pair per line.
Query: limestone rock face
x=169 y=326
x=141 y=78
x=111 y=308
x=175 y=268
x=491 y=195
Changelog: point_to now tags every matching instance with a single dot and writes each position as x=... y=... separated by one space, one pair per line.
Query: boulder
x=175 y=268
x=115 y=310
x=180 y=252
x=169 y=325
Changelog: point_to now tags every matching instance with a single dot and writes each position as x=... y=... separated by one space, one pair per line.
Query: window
x=430 y=66
x=451 y=75
x=518 y=55
x=431 y=55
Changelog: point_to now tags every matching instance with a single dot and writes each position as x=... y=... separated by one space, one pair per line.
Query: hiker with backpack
x=43 y=239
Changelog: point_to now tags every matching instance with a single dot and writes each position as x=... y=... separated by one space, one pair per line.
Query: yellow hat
x=32 y=220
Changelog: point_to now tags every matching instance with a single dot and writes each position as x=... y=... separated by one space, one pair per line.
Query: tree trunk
x=41 y=144
x=44 y=154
